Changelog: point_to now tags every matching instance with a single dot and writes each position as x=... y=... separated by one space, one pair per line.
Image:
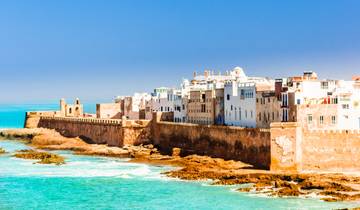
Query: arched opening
x=70 y=110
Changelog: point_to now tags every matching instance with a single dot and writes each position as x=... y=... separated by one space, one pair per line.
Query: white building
x=131 y=106
x=181 y=102
x=240 y=102
x=321 y=104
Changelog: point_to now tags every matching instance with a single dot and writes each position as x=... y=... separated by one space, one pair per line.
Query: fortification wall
x=334 y=150
x=32 y=119
x=99 y=131
x=248 y=145
x=294 y=148
x=286 y=147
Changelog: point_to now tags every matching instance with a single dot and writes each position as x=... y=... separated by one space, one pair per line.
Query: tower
x=62 y=107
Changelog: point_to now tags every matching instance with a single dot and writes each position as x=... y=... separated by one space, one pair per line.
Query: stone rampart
x=32 y=118
x=294 y=148
x=245 y=144
x=100 y=131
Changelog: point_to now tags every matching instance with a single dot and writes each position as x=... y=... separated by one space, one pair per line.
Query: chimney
x=278 y=88
x=206 y=73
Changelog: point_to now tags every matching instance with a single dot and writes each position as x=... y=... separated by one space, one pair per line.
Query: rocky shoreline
x=328 y=187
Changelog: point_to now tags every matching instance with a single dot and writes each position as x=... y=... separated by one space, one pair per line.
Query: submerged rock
x=2 y=151
x=44 y=157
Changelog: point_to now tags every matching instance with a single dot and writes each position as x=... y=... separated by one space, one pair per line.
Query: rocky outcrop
x=42 y=156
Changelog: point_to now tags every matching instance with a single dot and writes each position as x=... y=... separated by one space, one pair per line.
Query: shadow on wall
x=248 y=145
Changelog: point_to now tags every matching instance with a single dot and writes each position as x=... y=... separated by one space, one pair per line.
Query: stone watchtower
x=62 y=107
x=71 y=110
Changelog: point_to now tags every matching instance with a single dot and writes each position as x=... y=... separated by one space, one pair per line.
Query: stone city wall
x=99 y=131
x=32 y=119
x=245 y=144
x=296 y=149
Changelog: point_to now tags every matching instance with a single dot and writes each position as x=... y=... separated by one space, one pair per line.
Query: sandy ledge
x=328 y=187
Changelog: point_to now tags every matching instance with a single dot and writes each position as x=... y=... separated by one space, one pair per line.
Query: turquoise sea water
x=109 y=183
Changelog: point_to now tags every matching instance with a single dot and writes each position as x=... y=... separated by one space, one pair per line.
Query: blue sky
x=99 y=49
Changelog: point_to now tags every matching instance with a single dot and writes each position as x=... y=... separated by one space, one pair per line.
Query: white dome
x=239 y=72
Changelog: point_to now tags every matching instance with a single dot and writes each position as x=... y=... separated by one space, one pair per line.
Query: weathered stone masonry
x=99 y=131
x=286 y=147
x=297 y=149
x=249 y=145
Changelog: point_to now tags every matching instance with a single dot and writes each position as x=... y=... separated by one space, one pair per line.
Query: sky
x=96 y=50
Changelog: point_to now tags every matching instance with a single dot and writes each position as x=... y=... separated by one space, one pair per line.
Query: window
x=245 y=113
x=231 y=107
x=298 y=101
x=273 y=116
x=260 y=116
x=285 y=115
x=284 y=99
x=333 y=119
x=228 y=97
x=251 y=114
x=239 y=113
x=321 y=120
x=268 y=100
x=324 y=85
x=242 y=93
x=309 y=119
x=345 y=106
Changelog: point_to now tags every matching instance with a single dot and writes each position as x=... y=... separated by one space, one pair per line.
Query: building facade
x=321 y=104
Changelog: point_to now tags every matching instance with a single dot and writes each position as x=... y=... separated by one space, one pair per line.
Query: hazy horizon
x=96 y=50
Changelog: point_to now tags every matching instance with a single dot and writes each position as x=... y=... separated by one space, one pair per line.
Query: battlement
x=84 y=120
x=42 y=113
x=332 y=131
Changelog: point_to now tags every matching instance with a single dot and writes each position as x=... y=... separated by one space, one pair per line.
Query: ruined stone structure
x=71 y=110
x=296 y=149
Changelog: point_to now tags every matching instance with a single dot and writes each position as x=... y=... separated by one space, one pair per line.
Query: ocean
x=87 y=182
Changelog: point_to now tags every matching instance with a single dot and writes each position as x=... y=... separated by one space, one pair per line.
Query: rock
x=2 y=151
x=288 y=191
x=176 y=152
x=244 y=189
x=324 y=185
x=44 y=157
x=149 y=146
